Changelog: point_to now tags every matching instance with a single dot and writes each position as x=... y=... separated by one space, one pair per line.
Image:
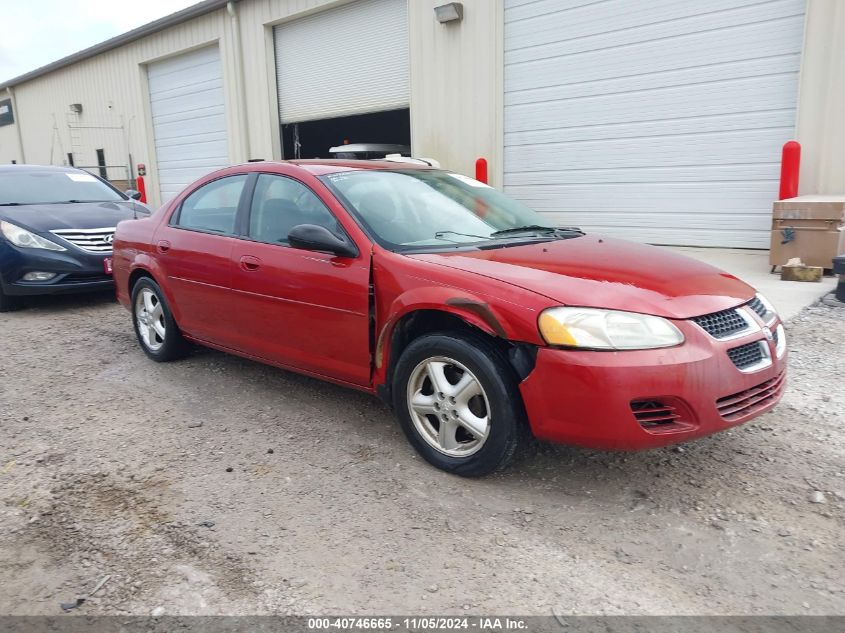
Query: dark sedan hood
x=82 y=215
x=607 y=273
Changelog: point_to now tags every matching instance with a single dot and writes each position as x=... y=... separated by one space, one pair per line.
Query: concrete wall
x=821 y=124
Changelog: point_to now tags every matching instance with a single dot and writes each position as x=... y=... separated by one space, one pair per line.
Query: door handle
x=163 y=246
x=250 y=263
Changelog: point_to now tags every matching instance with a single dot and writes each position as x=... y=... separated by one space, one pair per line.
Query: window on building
x=101 y=161
x=70 y=159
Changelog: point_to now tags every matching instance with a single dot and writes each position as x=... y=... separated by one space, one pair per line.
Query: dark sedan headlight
x=27 y=239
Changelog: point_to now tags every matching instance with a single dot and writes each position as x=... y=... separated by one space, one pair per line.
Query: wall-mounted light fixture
x=76 y=108
x=452 y=12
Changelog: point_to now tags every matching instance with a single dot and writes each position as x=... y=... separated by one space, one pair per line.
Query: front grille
x=721 y=325
x=758 y=307
x=91 y=240
x=746 y=402
x=747 y=355
x=663 y=415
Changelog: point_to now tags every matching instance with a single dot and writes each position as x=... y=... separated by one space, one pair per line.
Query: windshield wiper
x=11 y=204
x=439 y=236
x=536 y=228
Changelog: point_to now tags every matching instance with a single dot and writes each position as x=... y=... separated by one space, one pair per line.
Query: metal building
x=659 y=121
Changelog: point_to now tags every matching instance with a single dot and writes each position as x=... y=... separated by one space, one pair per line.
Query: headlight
x=26 y=239
x=591 y=328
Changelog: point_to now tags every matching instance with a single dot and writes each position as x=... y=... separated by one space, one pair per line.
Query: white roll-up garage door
x=659 y=121
x=189 y=122
x=343 y=61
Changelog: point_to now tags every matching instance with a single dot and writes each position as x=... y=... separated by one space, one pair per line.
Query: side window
x=213 y=207
x=281 y=203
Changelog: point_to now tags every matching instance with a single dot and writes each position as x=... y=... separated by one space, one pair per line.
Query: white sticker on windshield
x=81 y=177
x=472 y=182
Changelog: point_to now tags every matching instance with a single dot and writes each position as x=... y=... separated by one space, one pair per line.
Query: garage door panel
x=710 y=73
x=535 y=181
x=667 y=20
x=348 y=60
x=188 y=116
x=712 y=148
x=647 y=58
x=783 y=118
x=723 y=97
x=660 y=121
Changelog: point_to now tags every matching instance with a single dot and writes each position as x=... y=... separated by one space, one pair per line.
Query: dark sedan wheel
x=7 y=303
x=458 y=402
x=155 y=327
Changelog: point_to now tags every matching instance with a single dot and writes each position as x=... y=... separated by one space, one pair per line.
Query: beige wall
x=821 y=124
x=456 y=91
x=456 y=85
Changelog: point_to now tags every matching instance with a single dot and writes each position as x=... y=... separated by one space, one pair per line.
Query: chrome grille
x=91 y=240
x=724 y=324
x=761 y=310
x=748 y=356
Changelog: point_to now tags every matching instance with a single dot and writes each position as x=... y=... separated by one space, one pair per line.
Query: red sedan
x=477 y=321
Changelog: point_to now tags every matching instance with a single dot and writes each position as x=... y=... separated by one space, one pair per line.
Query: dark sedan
x=56 y=230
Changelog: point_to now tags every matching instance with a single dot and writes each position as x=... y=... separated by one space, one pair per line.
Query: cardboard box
x=809 y=227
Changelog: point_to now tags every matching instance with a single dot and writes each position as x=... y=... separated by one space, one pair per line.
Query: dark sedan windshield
x=412 y=209
x=51 y=187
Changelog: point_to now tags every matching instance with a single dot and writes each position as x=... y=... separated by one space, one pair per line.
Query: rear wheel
x=155 y=327
x=458 y=402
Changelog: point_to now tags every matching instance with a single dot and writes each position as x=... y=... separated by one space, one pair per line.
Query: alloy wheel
x=448 y=406
x=149 y=315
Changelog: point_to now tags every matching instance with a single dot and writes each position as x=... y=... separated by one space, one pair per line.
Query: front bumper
x=585 y=398
x=76 y=271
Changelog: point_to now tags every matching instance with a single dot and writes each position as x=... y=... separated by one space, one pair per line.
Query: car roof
x=38 y=168
x=322 y=166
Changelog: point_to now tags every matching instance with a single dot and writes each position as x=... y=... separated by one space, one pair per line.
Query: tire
x=157 y=332
x=7 y=303
x=474 y=448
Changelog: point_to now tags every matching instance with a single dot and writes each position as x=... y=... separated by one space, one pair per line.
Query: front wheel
x=458 y=403
x=155 y=327
x=7 y=303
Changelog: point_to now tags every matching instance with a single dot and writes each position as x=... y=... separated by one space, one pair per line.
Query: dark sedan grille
x=722 y=324
x=747 y=355
x=91 y=240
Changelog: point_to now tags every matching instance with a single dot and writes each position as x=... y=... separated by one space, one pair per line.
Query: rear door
x=299 y=308
x=195 y=250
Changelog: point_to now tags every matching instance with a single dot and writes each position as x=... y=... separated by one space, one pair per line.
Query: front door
x=195 y=250
x=299 y=308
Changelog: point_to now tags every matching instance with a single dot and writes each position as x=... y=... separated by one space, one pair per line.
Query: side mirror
x=133 y=194
x=311 y=237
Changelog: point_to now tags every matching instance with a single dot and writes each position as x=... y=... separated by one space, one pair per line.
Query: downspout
x=17 y=116
x=239 y=79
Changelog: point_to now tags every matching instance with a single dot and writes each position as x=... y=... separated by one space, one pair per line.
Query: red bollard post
x=790 y=164
x=481 y=170
x=142 y=188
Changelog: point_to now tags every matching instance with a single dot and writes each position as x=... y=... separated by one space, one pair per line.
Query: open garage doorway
x=314 y=138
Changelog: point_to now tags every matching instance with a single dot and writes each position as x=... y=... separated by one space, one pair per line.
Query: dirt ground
x=216 y=485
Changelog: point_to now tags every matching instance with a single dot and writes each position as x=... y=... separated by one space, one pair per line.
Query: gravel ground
x=217 y=485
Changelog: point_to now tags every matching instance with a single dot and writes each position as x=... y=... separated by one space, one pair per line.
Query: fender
x=143 y=261
x=469 y=307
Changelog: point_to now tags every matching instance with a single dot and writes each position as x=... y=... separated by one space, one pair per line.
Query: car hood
x=606 y=273
x=83 y=215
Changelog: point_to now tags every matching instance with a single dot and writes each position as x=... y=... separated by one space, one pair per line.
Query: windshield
x=410 y=209
x=51 y=187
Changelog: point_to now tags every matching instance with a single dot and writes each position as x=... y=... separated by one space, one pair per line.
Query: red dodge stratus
x=477 y=321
